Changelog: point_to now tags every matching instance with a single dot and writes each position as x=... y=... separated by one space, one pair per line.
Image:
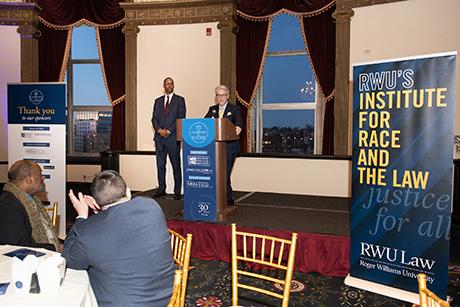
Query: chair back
x=175 y=297
x=252 y=248
x=53 y=212
x=428 y=298
x=181 y=249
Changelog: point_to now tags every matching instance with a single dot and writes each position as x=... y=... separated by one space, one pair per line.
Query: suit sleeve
x=155 y=122
x=209 y=114
x=181 y=109
x=13 y=226
x=74 y=249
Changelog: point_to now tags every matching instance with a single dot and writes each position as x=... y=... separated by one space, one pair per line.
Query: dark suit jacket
x=233 y=113
x=127 y=252
x=167 y=120
x=15 y=228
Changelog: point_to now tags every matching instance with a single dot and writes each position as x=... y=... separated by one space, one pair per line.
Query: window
x=89 y=111
x=284 y=113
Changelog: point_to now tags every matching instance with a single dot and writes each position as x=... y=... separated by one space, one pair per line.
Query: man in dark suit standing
x=166 y=110
x=225 y=109
x=125 y=247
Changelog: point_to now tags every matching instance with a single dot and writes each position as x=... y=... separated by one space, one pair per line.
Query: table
x=75 y=290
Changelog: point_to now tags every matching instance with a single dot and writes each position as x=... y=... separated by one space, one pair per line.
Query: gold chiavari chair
x=428 y=298
x=266 y=251
x=53 y=213
x=181 y=248
x=175 y=297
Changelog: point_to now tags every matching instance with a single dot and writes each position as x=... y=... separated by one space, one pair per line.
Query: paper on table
x=51 y=273
x=21 y=253
x=21 y=273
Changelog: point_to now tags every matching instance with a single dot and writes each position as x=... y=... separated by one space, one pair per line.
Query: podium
x=204 y=152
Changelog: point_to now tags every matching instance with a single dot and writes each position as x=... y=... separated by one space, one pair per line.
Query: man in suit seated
x=225 y=109
x=125 y=247
x=24 y=220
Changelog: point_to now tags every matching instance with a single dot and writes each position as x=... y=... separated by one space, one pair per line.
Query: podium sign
x=199 y=165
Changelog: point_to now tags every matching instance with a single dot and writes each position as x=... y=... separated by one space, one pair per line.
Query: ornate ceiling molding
x=178 y=12
x=350 y=4
x=15 y=14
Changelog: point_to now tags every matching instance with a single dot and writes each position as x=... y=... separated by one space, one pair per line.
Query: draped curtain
x=319 y=31
x=57 y=19
x=251 y=46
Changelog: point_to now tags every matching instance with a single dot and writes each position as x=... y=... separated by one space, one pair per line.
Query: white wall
x=407 y=28
x=10 y=71
x=81 y=173
x=295 y=176
x=186 y=54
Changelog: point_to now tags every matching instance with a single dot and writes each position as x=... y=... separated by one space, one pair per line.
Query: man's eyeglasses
x=221 y=95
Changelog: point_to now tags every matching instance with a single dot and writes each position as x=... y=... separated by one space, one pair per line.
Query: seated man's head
x=108 y=187
x=27 y=176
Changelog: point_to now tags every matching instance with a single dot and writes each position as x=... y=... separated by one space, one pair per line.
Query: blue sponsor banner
x=36 y=103
x=403 y=115
x=199 y=164
x=36 y=132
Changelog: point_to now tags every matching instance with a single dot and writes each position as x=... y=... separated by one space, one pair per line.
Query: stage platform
x=300 y=213
x=322 y=222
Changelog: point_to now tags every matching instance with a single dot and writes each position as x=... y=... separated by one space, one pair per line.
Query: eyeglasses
x=221 y=95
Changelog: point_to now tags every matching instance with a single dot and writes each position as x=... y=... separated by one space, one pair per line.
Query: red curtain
x=66 y=12
x=320 y=33
x=51 y=48
x=325 y=254
x=103 y=13
x=113 y=53
x=251 y=40
x=250 y=46
x=262 y=8
x=117 y=137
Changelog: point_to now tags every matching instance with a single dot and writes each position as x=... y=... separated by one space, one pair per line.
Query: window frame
x=260 y=106
x=71 y=108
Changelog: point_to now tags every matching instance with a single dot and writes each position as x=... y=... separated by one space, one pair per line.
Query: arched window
x=284 y=113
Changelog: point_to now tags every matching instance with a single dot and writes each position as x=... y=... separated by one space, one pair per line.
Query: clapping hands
x=83 y=203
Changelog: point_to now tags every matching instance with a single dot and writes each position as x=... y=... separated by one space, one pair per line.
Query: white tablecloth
x=74 y=291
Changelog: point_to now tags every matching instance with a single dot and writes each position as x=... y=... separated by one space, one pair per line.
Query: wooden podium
x=224 y=132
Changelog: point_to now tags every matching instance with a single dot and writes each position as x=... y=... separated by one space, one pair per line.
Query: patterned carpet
x=210 y=286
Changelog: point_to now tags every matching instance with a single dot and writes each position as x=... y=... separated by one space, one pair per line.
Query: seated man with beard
x=24 y=220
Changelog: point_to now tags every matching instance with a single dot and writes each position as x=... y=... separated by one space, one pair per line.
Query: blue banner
x=36 y=103
x=403 y=115
x=199 y=164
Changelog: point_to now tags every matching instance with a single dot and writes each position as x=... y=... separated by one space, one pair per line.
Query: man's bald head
x=27 y=175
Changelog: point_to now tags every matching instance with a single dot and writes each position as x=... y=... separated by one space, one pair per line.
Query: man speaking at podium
x=224 y=109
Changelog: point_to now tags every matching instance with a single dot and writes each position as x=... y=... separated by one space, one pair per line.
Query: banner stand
x=396 y=293
x=37 y=132
x=402 y=173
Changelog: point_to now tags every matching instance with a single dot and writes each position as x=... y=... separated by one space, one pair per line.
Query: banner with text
x=37 y=132
x=403 y=115
x=199 y=164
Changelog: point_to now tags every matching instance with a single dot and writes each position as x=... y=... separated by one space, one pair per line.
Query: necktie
x=221 y=113
x=166 y=104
